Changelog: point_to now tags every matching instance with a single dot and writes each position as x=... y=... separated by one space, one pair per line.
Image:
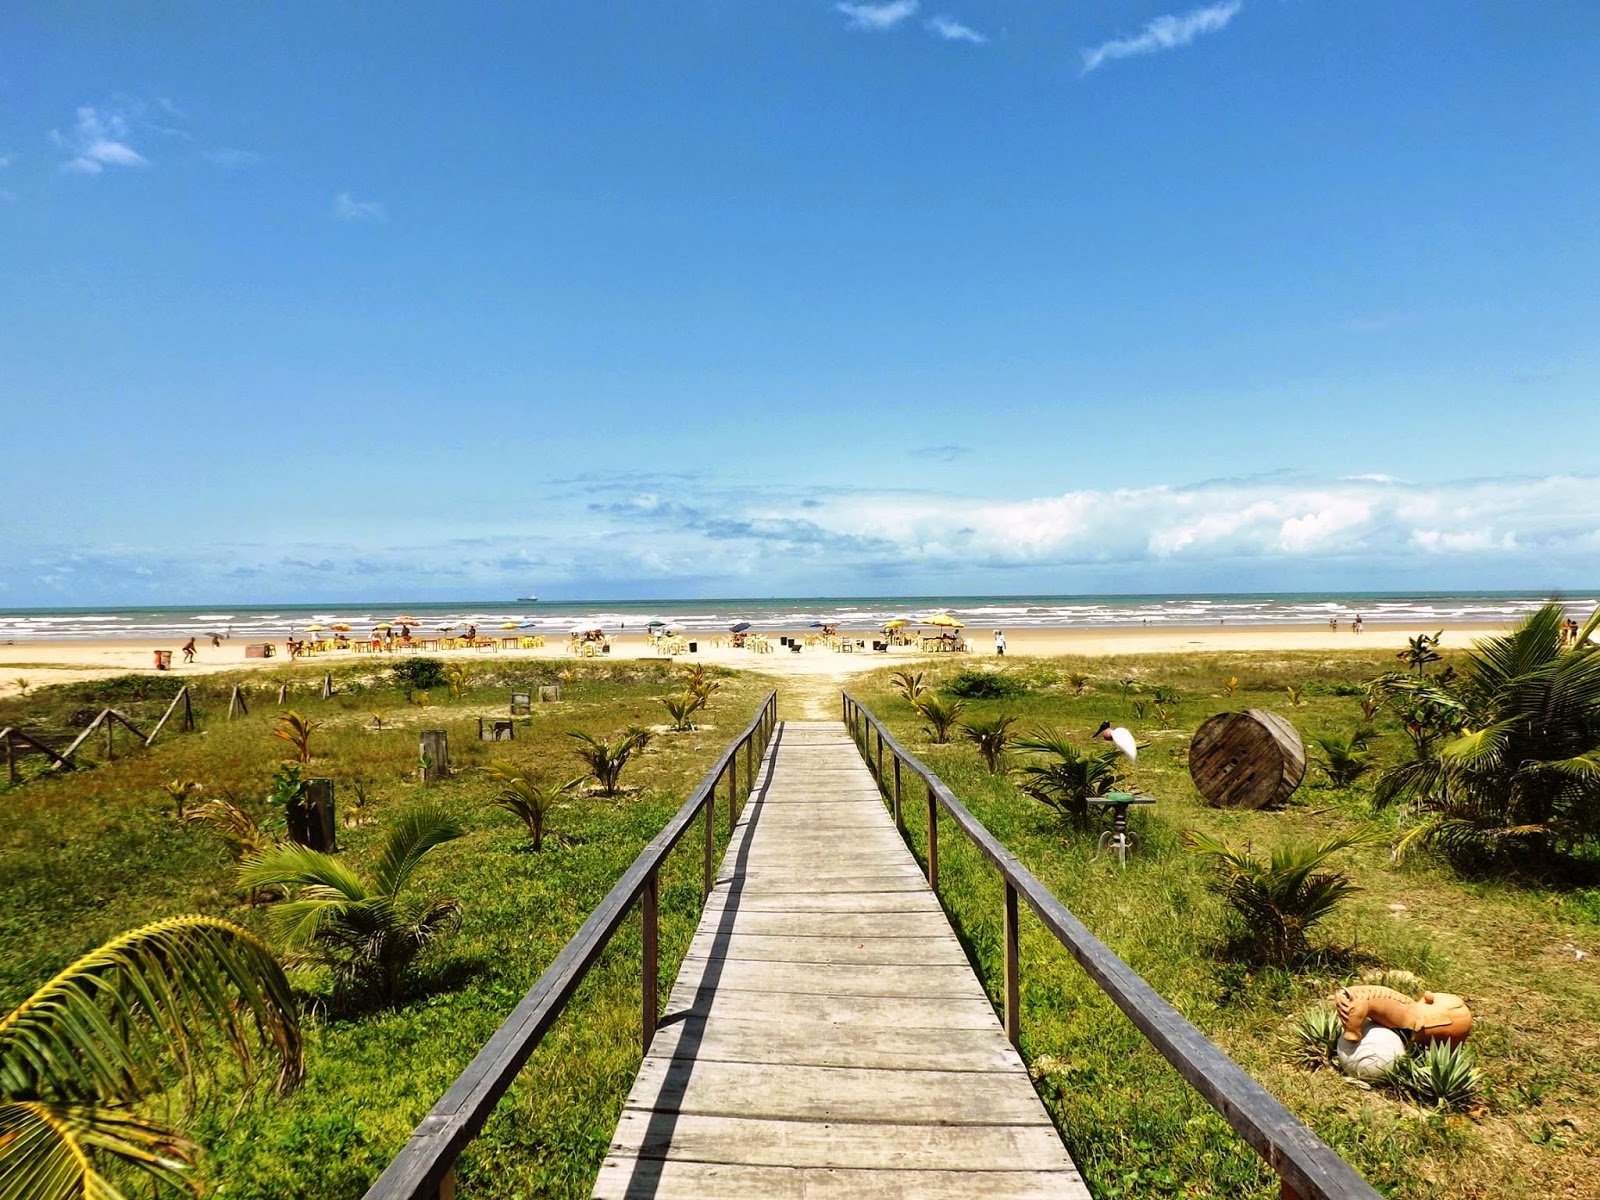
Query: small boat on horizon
x=528 y=599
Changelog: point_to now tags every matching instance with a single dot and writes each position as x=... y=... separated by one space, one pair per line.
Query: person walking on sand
x=1000 y=642
x=188 y=651
x=1355 y=626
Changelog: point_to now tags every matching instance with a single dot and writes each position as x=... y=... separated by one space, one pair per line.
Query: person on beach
x=1000 y=642
x=188 y=651
x=1355 y=626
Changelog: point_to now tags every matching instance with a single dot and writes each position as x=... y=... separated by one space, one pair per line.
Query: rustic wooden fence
x=425 y=1167
x=1308 y=1169
x=16 y=742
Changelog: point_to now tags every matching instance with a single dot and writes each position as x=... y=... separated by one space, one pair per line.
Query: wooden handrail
x=425 y=1167
x=1307 y=1167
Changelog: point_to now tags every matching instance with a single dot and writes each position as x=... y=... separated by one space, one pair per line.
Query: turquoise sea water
x=1425 y=611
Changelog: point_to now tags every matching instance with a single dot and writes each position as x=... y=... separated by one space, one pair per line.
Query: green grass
x=1134 y=1127
x=87 y=854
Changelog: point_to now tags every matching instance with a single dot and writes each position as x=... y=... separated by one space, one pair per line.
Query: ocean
x=1425 y=611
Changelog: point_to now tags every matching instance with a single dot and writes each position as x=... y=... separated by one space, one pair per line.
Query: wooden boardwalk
x=826 y=1036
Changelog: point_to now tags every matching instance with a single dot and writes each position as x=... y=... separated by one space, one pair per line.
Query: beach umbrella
x=738 y=626
x=655 y=624
x=819 y=624
x=897 y=623
x=944 y=619
x=585 y=627
x=407 y=621
x=510 y=625
x=674 y=629
x=381 y=627
x=340 y=626
x=313 y=628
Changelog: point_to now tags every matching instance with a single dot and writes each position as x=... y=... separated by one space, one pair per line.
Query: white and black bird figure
x=1119 y=737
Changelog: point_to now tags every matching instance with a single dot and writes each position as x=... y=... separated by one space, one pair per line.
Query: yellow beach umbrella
x=510 y=625
x=942 y=619
x=384 y=625
x=313 y=628
x=897 y=623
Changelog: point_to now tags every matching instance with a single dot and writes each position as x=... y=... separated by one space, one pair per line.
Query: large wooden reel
x=1253 y=759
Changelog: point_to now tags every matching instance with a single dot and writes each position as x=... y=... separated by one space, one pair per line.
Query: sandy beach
x=41 y=663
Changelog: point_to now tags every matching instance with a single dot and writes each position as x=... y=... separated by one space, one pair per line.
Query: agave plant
x=1068 y=776
x=1314 y=1036
x=529 y=800
x=133 y=1020
x=296 y=729
x=993 y=737
x=1278 y=901
x=1343 y=758
x=1507 y=751
x=910 y=685
x=1441 y=1074
x=365 y=930
x=940 y=715
x=682 y=709
x=606 y=758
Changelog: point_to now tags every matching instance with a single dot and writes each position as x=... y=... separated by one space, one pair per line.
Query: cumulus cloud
x=1167 y=32
x=952 y=30
x=877 y=16
x=347 y=208
x=99 y=139
x=669 y=535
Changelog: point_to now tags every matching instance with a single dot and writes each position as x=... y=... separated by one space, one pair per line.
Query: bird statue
x=1119 y=737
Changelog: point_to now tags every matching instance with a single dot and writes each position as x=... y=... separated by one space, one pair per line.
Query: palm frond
x=414 y=834
x=49 y=1151
x=132 y=1017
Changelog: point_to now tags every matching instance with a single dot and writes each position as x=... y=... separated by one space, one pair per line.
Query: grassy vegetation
x=1135 y=1128
x=87 y=854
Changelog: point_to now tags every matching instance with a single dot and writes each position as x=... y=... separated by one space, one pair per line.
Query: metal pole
x=649 y=917
x=1013 y=981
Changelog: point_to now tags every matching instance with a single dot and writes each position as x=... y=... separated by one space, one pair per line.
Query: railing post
x=733 y=786
x=447 y=1185
x=711 y=846
x=933 y=839
x=749 y=768
x=877 y=775
x=1013 y=981
x=1287 y=1192
x=898 y=823
x=650 y=967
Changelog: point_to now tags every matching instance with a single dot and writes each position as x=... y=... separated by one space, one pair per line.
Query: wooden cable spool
x=1253 y=759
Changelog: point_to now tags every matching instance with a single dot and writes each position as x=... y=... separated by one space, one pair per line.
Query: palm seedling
x=1421 y=652
x=1297 y=695
x=910 y=685
x=529 y=800
x=180 y=790
x=940 y=715
x=459 y=679
x=133 y=1021
x=1067 y=777
x=297 y=730
x=366 y=930
x=1231 y=684
x=682 y=709
x=1343 y=759
x=993 y=737
x=606 y=758
x=697 y=681
x=1277 y=902
x=1079 y=682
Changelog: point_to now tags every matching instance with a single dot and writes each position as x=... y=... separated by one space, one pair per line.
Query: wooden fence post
x=899 y=822
x=1012 y=965
x=11 y=759
x=327 y=685
x=711 y=845
x=933 y=839
x=435 y=754
x=650 y=990
x=733 y=788
x=310 y=816
x=236 y=705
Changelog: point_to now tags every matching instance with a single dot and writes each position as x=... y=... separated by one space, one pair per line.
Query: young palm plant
x=529 y=800
x=940 y=715
x=296 y=729
x=1508 y=749
x=365 y=930
x=910 y=685
x=606 y=758
x=1278 y=901
x=697 y=681
x=1067 y=776
x=993 y=737
x=127 y=1023
x=682 y=709
x=1343 y=759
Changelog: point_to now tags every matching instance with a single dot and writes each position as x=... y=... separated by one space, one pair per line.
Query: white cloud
x=952 y=30
x=98 y=140
x=1165 y=33
x=347 y=208
x=877 y=16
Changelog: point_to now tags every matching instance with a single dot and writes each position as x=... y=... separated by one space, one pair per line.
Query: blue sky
x=616 y=300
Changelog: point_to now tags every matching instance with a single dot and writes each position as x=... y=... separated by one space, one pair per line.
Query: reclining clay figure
x=1437 y=1017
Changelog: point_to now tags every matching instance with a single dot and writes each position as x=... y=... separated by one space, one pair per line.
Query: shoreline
x=46 y=662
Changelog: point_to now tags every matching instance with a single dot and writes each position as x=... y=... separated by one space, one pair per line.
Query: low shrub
x=973 y=684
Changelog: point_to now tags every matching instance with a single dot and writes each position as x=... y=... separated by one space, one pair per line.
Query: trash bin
x=163 y=659
x=694 y=647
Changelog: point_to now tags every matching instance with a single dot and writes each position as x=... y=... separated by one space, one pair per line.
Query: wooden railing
x=1307 y=1167
x=425 y=1168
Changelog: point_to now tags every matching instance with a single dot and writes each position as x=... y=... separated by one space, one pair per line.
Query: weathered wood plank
x=665 y=1179
x=806 y=1040
x=855 y=951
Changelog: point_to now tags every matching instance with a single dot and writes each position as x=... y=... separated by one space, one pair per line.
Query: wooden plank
x=833 y=979
x=668 y=1179
x=908 y=1012
x=757 y=1142
x=805 y=1039
x=864 y=950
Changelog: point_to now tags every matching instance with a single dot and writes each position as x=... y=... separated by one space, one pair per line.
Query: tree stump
x=310 y=816
x=1253 y=759
x=435 y=755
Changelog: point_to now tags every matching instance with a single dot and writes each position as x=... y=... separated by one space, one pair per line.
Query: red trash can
x=163 y=659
